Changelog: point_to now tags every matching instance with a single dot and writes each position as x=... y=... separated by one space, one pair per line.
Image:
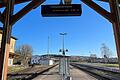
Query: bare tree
x=25 y=51
x=105 y=52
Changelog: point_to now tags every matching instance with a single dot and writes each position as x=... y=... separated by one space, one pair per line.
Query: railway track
x=28 y=74
x=101 y=73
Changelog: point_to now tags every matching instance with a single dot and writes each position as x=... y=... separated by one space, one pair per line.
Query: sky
x=85 y=33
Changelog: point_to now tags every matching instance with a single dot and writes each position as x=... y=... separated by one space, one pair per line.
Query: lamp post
x=63 y=69
x=63 y=50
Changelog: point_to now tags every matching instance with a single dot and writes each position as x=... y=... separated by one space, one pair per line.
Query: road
x=76 y=74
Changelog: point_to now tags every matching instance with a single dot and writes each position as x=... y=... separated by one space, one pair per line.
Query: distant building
x=12 y=48
x=111 y=60
x=79 y=58
x=42 y=60
x=92 y=59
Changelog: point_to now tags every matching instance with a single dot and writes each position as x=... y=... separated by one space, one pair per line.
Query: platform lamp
x=63 y=50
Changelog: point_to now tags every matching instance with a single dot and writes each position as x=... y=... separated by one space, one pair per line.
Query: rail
x=99 y=72
x=29 y=76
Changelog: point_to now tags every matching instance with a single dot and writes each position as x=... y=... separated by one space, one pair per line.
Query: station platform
x=76 y=74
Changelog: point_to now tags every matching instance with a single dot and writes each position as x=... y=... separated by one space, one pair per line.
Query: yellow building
x=12 y=47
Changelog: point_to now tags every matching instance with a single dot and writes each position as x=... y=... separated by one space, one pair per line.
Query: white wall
x=51 y=62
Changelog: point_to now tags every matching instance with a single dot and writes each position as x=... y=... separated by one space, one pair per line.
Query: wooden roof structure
x=9 y=19
x=107 y=1
x=2 y=4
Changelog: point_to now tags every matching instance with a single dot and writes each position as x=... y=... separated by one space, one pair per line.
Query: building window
x=10 y=61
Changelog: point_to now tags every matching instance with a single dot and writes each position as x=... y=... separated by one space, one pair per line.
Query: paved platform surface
x=80 y=75
x=52 y=74
x=75 y=73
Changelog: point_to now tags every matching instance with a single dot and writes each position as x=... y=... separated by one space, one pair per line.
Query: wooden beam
x=9 y=20
x=1 y=18
x=107 y=1
x=25 y=10
x=99 y=10
x=6 y=36
x=114 y=7
x=16 y=2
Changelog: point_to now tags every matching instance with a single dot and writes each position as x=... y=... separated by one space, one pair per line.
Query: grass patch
x=108 y=65
x=101 y=64
x=12 y=69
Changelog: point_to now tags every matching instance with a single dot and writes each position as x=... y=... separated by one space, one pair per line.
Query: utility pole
x=63 y=50
x=48 y=47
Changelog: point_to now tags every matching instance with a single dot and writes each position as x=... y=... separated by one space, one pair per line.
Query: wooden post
x=5 y=46
x=114 y=6
x=9 y=20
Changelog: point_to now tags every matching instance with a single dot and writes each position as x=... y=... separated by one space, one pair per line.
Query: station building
x=12 y=48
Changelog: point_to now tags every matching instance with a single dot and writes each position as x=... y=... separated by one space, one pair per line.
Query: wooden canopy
x=107 y=1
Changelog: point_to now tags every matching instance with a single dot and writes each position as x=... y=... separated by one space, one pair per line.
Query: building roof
x=1 y=31
x=14 y=54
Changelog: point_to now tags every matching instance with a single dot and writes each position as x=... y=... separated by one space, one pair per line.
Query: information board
x=61 y=10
